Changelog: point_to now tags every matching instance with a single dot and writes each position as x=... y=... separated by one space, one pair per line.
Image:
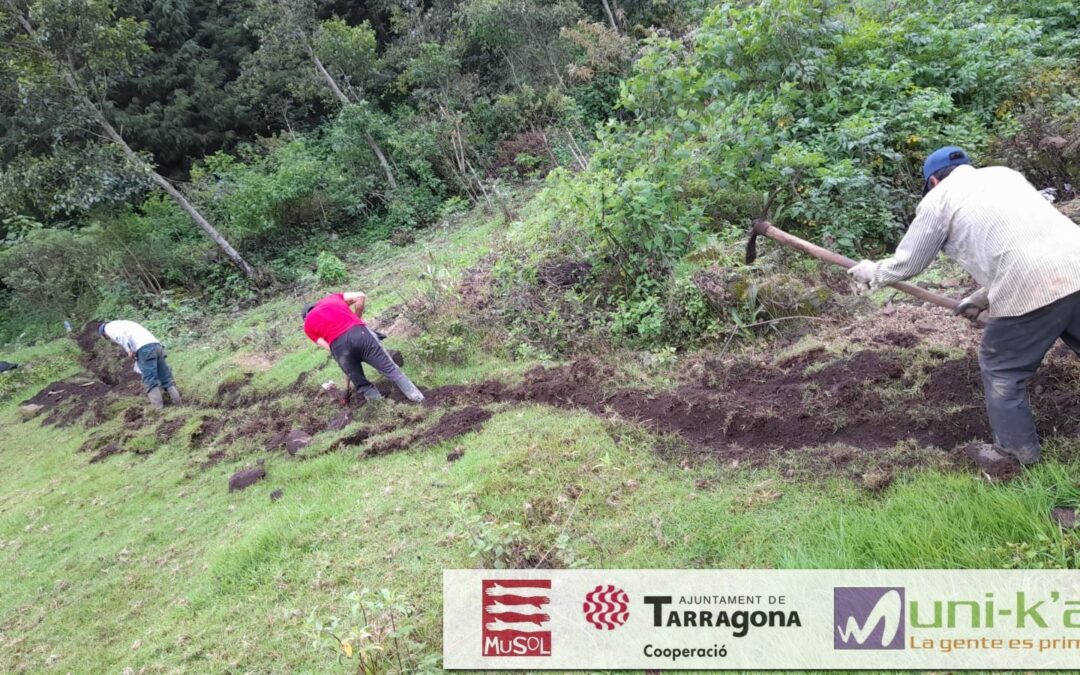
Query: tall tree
x=68 y=54
x=523 y=35
x=340 y=56
x=181 y=103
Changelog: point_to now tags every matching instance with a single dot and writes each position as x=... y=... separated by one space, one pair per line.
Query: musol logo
x=606 y=607
x=514 y=617
x=868 y=618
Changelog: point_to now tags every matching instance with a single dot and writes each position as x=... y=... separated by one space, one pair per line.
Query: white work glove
x=975 y=307
x=863 y=275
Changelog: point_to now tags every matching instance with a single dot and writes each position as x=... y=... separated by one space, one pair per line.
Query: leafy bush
x=441 y=348
x=49 y=276
x=831 y=107
x=330 y=269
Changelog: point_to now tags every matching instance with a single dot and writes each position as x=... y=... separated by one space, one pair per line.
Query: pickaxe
x=764 y=227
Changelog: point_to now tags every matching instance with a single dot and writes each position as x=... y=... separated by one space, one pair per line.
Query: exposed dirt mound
x=168 y=428
x=245 y=478
x=105 y=360
x=108 y=451
x=752 y=413
x=451 y=425
x=64 y=402
x=206 y=432
x=296 y=440
x=454 y=424
x=865 y=413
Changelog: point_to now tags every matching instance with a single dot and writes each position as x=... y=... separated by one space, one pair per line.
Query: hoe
x=764 y=227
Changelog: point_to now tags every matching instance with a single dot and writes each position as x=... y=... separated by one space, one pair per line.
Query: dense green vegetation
x=514 y=183
x=294 y=127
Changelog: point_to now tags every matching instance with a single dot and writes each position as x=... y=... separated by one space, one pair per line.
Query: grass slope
x=146 y=562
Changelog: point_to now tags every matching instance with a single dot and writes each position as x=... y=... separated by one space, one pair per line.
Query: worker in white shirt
x=149 y=356
x=1024 y=254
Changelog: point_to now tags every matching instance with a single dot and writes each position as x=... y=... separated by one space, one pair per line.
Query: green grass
x=148 y=562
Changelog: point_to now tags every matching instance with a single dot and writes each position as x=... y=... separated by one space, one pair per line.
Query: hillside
x=125 y=547
x=547 y=205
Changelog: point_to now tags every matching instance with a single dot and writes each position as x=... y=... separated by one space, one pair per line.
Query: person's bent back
x=336 y=323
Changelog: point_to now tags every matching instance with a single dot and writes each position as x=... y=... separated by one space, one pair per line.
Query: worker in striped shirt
x=1024 y=254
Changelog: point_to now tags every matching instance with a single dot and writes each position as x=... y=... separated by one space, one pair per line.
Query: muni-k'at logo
x=868 y=618
x=514 y=617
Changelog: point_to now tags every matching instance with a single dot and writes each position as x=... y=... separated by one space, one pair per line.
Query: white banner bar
x=760 y=619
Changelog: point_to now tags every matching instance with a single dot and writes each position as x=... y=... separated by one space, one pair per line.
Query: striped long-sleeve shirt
x=998 y=227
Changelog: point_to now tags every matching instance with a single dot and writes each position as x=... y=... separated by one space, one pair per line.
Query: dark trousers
x=358 y=346
x=1012 y=350
x=155 y=371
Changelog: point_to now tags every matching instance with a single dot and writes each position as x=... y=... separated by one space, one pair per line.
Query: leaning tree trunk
x=68 y=73
x=177 y=196
x=372 y=143
x=610 y=16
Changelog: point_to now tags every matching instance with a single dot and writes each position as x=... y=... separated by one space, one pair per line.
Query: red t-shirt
x=330 y=318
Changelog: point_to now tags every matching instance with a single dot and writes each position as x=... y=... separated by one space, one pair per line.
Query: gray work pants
x=358 y=346
x=1012 y=350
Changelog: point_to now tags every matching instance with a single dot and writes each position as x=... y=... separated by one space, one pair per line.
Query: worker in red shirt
x=335 y=323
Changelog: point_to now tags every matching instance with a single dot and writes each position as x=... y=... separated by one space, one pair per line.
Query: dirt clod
x=106 y=452
x=30 y=410
x=208 y=429
x=298 y=439
x=245 y=478
x=276 y=495
x=456 y=454
x=1065 y=517
x=339 y=421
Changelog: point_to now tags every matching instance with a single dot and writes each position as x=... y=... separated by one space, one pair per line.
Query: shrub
x=829 y=107
x=330 y=269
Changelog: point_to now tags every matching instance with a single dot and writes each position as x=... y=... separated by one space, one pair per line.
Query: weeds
x=491 y=544
x=378 y=632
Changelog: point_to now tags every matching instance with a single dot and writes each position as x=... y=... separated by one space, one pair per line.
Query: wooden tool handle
x=791 y=241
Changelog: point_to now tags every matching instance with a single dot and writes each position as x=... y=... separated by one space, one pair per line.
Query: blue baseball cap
x=942 y=158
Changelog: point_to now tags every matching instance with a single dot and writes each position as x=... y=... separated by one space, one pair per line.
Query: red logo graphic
x=606 y=607
x=514 y=617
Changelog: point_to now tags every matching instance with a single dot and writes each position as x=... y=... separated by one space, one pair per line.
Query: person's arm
x=123 y=341
x=918 y=248
x=323 y=343
x=355 y=300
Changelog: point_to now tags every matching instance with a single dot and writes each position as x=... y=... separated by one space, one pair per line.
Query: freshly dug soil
x=106 y=452
x=450 y=425
x=754 y=413
x=206 y=432
x=168 y=428
x=227 y=390
x=454 y=424
x=296 y=440
x=863 y=414
x=245 y=478
x=64 y=402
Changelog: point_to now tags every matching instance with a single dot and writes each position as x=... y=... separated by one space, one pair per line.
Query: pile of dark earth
x=865 y=414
